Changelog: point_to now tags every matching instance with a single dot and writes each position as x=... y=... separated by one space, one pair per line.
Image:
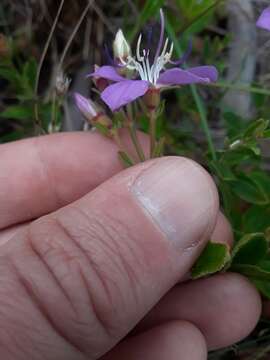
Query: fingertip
x=225 y=307
x=181 y=198
x=241 y=310
x=55 y=170
x=174 y=340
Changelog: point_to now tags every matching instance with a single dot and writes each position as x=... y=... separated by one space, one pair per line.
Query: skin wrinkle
x=30 y=294
x=20 y=350
x=85 y=252
x=98 y=320
x=92 y=306
x=76 y=224
x=107 y=235
x=42 y=258
x=8 y=342
x=92 y=303
x=29 y=289
x=116 y=229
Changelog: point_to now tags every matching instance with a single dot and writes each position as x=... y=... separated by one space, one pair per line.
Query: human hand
x=105 y=253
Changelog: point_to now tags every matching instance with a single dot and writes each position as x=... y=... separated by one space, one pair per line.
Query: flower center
x=141 y=62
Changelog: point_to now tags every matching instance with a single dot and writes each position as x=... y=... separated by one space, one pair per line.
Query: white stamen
x=139 y=57
x=165 y=48
x=141 y=63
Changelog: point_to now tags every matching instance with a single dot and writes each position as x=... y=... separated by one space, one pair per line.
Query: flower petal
x=200 y=74
x=205 y=72
x=264 y=19
x=123 y=92
x=107 y=72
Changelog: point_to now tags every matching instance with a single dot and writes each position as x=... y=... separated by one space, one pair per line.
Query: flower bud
x=92 y=113
x=62 y=84
x=152 y=99
x=86 y=106
x=121 y=48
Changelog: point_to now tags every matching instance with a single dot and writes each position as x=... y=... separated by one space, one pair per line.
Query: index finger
x=40 y=175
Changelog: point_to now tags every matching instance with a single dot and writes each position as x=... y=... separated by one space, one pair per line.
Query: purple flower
x=264 y=19
x=151 y=75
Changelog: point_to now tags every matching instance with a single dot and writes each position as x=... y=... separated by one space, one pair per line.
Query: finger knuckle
x=93 y=263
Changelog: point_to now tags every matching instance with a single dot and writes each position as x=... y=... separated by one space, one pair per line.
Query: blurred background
x=204 y=123
x=223 y=33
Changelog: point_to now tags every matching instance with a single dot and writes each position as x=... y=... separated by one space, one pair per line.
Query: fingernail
x=180 y=198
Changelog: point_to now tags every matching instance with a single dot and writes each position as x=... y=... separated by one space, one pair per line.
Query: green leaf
x=248 y=190
x=223 y=170
x=262 y=179
x=251 y=271
x=263 y=286
x=256 y=219
x=213 y=259
x=18 y=112
x=9 y=74
x=196 y=13
x=238 y=156
x=256 y=128
x=30 y=71
x=234 y=124
x=29 y=76
x=12 y=136
x=250 y=249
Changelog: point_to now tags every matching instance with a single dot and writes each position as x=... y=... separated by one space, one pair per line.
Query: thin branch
x=47 y=46
x=74 y=32
x=41 y=61
x=103 y=18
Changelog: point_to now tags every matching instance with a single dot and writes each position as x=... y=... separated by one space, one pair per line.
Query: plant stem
x=54 y=111
x=135 y=140
x=41 y=61
x=240 y=87
x=133 y=133
x=196 y=96
x=73 y=34
x=152 y=132
x=204 y=122
x=119 y=143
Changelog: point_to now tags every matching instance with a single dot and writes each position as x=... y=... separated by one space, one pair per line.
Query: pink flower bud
x=92 y=113
x=86 y=107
